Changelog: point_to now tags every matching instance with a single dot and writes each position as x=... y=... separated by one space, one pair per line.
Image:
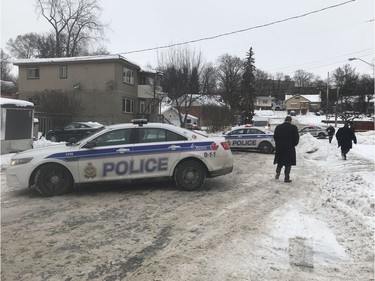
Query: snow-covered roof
x=215 y=100
x=72 y=59
x=311 y=98
x=82 y=59
x=171 y=108
x=265 y=98
x=19 y=103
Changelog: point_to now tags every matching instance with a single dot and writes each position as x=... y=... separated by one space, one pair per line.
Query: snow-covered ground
x=339 y=227
x=327 y=156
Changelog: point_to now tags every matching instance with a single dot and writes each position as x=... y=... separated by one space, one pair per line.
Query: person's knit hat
x=288 y=118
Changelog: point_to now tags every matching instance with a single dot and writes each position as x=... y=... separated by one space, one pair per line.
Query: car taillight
x=214 y=146
x=225 y=145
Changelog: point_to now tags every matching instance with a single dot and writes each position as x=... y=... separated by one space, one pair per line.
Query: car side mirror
x=72 y=141
x=90 y=144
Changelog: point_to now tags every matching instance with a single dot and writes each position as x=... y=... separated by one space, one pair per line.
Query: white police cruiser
x=130 y=151
x=315 y=131
x=249 y=137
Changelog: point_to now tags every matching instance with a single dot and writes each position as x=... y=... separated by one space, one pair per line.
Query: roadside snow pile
x=42 y=142
x=264 y=113
x=354 y=194
x=349 y=183
x=309 y=147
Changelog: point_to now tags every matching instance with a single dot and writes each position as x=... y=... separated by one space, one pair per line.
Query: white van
x=261 y=122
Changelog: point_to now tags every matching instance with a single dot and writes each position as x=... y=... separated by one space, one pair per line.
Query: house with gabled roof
x=302 y=104
x=202 y=109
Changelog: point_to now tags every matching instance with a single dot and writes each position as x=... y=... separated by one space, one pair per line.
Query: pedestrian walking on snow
x=331 y=133
x=286 y=138
x=345 y=136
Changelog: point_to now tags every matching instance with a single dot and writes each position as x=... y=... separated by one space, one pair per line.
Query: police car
x=130 y=151
x=316 y=131
x=248 y=137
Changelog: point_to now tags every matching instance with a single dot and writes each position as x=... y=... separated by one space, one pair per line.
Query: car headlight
x=20 y=161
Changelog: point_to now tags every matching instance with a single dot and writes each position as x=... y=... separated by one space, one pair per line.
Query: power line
x=365 y=52
x=237 y=31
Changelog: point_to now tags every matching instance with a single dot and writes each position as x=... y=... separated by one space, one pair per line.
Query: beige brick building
x=111 y=88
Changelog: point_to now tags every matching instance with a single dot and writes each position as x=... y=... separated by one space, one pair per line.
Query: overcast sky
x=318 y=43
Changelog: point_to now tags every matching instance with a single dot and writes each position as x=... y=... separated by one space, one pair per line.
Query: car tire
x=190 y=175
x=53 y=179
x=265 y=147
x=321 y=135
x=54 y=138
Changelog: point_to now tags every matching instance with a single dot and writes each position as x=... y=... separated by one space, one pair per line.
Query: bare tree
x=24 y=46
x=6 y=67
x=182 y=78
x=208 y=80
x=345 y=79
x=32 y=45
x=229 y=74
x=75 y=23
x=303 y=78
x=262 y=81
x=59 y=103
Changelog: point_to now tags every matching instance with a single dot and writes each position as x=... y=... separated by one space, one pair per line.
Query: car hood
x=45 y=150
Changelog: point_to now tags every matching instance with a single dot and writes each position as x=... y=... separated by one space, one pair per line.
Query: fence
x=51 y=121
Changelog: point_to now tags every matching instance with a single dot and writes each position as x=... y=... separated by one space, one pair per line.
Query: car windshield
x=69 y=143
x=197 y=132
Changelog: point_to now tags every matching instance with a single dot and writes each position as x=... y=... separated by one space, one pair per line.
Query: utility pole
x=337 y=104
x=327 y=97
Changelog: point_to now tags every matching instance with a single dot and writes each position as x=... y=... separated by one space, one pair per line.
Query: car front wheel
x=53 y=179
x=54 y=138
x=265 y=147
x=190 y=175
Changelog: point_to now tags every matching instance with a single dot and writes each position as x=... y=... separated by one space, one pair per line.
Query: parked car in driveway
x=76 y=130
x=316 y=131
x=249 y=137
x=123 y=152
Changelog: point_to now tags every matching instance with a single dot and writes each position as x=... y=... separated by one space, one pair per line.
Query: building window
x=128 y=76
x=63 y=72
x=127 y=105
x=293 y=104
x=142 y=106
x=33 y=73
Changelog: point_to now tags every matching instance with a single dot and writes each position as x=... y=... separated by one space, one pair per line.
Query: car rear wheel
x=265 y=147
x=190 y=175
x=54 y=138
x=53 y=179
x=321 y=135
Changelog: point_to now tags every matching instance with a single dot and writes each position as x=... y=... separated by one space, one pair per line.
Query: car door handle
x=122 y=150
x=174 y=147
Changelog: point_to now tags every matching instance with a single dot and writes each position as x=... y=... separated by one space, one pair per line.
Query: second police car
x=315 y=131
x=137 y=150
x=249 y=137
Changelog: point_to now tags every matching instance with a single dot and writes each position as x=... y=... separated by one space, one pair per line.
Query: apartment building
x=110 y=88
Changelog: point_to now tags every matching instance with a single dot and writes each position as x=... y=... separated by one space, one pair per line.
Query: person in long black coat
x=331 y=132
x=286 y=137
x=345 y=136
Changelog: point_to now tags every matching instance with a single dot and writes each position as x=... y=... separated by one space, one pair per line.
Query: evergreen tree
x=248 y=87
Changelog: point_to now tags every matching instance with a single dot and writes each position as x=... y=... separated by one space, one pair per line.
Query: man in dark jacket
x=345 y=136
x=331 y=132
x=286 y=138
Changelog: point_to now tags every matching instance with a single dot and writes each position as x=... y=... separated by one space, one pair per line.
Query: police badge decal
x=89 y=171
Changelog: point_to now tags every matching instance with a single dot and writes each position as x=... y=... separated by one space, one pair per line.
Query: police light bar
x=139 y=121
